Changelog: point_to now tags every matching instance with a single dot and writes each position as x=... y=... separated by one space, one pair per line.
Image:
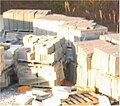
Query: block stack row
x=112 y=37
x=84 y=51
x=46 y=55
x=7 y=75
x=72 y=28
x=22 y=20
x=105 y=63
x=98 y=66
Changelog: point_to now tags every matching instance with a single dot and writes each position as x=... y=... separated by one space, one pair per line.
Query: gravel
x=9 y=95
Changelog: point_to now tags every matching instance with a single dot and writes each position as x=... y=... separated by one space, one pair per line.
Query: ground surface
x=9 y=95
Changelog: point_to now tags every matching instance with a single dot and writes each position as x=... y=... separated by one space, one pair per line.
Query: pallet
x=81 y=99
x=35 y=63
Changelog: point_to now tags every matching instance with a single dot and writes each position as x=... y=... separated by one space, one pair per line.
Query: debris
x=23 y=89
x=38 y=91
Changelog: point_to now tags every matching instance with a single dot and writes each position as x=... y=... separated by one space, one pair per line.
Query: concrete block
x=6 y=20
x=37 y=103
x=53 y=101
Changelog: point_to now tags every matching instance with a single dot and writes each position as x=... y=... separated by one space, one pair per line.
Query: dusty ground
x=8 y=96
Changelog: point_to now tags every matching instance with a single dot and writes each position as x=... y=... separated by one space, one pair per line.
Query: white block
x=37 y=103
x=53 y=101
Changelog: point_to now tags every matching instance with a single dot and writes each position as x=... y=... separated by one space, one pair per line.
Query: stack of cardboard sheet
x=46 y=56
x=21 y=20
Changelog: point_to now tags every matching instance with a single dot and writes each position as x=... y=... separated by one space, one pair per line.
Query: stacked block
x=48 y=49
x=53 y=74
x=98 y=66
x=84 y=52
x=7 y=75
x=109 y=63
x=106 y=61
x=111 y=37
x=46 y=55
x=72 y=28
x=21 y=20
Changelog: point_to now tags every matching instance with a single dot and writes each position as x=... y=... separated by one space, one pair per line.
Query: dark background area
x=101 y=11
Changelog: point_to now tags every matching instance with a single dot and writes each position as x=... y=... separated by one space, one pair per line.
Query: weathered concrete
x=1 y=23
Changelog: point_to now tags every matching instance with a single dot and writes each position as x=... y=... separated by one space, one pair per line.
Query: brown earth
x=104 y=12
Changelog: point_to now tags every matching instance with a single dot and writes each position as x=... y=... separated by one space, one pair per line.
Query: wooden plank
x=84 y=97
x=81 y=100
x=94 y=94
x=74 y=100
x=90 y=97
